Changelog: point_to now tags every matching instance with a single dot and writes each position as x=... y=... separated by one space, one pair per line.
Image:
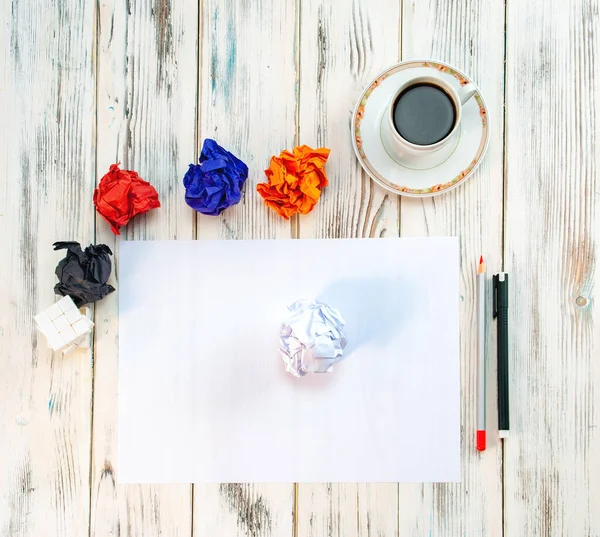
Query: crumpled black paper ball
x=82 y=275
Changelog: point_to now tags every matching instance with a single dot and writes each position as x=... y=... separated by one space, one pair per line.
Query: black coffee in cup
x=424 y=114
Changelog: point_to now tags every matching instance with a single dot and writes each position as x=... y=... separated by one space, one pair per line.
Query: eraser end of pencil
x=480 y=441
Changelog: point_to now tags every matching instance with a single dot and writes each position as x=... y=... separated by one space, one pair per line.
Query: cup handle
x=466 y=92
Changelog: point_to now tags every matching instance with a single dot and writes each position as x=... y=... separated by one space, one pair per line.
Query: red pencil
x=481 y=369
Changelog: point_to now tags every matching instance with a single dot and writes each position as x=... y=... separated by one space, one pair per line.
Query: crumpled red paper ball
x=121 y=195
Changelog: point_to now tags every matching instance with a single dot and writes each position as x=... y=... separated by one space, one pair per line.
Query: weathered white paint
x=273 y=74
x=344 y=45
x=47 y=163
x=147 y=68
x=247 y=104
x=552 y=459
x=469 y=35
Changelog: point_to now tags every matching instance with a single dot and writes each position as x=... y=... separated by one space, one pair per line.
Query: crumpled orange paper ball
x=295 y=180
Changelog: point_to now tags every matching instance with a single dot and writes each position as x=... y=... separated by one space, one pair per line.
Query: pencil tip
x=481 y=260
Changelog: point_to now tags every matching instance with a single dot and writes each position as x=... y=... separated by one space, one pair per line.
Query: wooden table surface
x=85 y=84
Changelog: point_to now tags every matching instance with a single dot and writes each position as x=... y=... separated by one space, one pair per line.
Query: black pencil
x=501 y=315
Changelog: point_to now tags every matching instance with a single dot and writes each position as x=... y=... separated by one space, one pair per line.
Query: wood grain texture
x=248 y=105
x=147 y=73
x=248 y=102
x=244 y=509
x=469 y=35
x=47 y=161
x=552 y=460
x=344 y=45
x=348 y=509
x=273 y=74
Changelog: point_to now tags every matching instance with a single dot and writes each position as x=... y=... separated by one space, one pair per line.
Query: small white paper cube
x=64 y=325
x=56 y=342
x=54 y=311
x=42 y=319
x=61 y=323
x=69 y=335
x=83 y=342
x=49 y=330
x=83 y=326
x=73 y=315
x=66 y=303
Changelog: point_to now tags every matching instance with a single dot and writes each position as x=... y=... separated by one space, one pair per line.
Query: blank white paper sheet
x=203 y=392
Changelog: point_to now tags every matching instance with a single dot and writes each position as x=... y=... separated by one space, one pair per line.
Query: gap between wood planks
x=96 y=60
x=295 y=224
x=502 y=246
x=503 y=249
x=197 y=143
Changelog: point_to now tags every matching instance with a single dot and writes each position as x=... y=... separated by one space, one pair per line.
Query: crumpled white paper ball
x=311 y=338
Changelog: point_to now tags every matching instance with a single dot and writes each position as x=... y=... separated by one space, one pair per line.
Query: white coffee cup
x=422 y=157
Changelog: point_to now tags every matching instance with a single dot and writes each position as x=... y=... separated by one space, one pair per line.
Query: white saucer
x=393 y=176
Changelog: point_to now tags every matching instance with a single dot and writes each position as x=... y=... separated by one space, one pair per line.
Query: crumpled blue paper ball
x=216 y=183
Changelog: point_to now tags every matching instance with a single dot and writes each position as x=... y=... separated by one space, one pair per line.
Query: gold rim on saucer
x=459 y=178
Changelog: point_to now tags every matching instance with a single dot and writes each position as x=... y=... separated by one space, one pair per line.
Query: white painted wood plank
x=248 y=102
x=244 y=509
x=248 y=105
x=347 y=509
x=552 y=459
x=46 y=151
x=344 y=45
x=469 y=35
x=147 y=78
